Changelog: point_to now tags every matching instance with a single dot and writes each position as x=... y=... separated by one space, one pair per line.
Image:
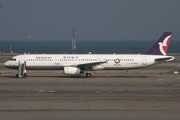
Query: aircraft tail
x=161 y=46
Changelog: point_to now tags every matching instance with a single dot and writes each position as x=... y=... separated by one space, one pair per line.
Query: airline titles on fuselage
x=43 y=57
x=117 y=61
x=70 y=57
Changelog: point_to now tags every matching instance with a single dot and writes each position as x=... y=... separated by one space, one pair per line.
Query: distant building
x=11 y=51
x=74 y=42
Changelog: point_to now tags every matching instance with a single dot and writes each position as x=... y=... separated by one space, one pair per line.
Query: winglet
x=161 y=46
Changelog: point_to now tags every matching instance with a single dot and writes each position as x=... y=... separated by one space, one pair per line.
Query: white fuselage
x=109 y=61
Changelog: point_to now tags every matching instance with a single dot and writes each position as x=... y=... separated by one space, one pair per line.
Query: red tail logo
x=163 y=47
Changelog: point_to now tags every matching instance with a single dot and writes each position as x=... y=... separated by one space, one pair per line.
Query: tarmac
x=149 y=93
x=137 y=94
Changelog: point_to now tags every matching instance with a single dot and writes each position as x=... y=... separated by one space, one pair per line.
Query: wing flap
x=85 y=66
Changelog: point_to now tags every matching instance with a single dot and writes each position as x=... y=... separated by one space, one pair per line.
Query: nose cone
x=11 y=65
x=6 y=64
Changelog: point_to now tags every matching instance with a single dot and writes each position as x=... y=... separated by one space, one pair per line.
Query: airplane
x=75 y=64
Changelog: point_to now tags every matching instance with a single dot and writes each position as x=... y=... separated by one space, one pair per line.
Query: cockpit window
x=12 y=59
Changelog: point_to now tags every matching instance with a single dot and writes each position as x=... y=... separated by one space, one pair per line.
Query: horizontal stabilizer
x=167 y=59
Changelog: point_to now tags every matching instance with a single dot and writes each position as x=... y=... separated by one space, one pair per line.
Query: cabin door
x=144 y=60
x=98 y=59
x=56 y=60
x=23 y=59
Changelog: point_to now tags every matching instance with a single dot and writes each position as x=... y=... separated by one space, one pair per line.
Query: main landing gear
x=88 y=75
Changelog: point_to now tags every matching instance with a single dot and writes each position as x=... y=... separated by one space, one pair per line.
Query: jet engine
x=72 y=70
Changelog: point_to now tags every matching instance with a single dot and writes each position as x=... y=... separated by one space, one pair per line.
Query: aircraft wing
x=89 y=65
x=86 y=66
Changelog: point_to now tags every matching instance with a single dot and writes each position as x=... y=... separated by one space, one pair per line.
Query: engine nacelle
x=98 y=67
x=72 y=70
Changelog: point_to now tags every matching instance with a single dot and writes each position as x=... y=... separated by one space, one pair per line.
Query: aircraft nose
x=6 y=64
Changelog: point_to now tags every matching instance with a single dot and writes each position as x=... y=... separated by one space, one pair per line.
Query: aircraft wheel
x=88 y=75
x=25 y=75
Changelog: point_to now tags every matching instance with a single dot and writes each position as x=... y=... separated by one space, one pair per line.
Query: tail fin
x=161 y=46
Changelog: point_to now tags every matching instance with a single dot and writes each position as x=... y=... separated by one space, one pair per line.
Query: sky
x=92 y=19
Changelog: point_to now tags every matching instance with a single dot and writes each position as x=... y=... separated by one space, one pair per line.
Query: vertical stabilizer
x=161 y=46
